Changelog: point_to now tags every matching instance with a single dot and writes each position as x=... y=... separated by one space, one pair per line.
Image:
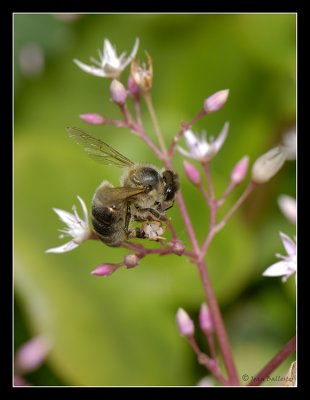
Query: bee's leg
x=159 y=216
x=136 y=233
x=168 y=208
x=156 y=214
x=127 y=219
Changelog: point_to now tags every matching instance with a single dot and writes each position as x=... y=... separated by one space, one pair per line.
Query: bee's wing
x=117 y=195
x=97 y=149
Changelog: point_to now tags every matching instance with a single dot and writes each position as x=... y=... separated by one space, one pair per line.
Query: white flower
x=77 y=228
x=201 y=149
x=288 y=266
x=288 y=207
x=109 y=64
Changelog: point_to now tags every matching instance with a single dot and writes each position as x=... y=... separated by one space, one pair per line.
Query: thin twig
x=273 y=364
x=208 y=363
x=218 y=325
x=149 y=104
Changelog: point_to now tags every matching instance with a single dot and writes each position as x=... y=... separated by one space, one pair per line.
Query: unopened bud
x=92 y=118
x=289 y=144
x=133 y=88
x=216 y=101
x=267 y=165
x=178 y=247
x=192 y=173
x=105 y=269
x=205 y=320
x=240 y=170
x=142 y=75
x=185 y=324
x=131 y=260
x=32 y=354
x=288 y=207
x=118 y=92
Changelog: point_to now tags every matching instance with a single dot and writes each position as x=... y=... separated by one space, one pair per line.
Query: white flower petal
x=109 y=51
x=184 y=152
x=191 y=139
x=93 y=60
x=84 y=209
x=132 y=54
x=90 y=69
x=65 y=216
x=218 y=143
x=289 y=244
x=64 y=248
x=278 y=269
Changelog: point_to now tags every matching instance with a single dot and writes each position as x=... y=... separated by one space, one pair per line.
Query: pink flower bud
x=105 y=269
x=92 y=118
x=192 y=173
x=118 y=92
x=178 y=247
x=240 y=170
x=19 y=381
x=185 y=324
x=131 y=260
x=216 y=101
x=32 y=354
x=205 y=320
x=267 y=165
x=133 y=88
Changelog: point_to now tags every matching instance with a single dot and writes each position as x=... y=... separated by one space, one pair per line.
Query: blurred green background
x=121 y=330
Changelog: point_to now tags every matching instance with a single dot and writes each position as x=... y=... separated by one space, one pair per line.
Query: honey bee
x=145 y=194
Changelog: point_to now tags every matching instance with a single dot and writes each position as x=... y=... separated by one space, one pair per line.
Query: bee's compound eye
x=169 y=194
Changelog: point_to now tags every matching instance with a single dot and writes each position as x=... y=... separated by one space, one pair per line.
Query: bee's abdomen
x=108 y=224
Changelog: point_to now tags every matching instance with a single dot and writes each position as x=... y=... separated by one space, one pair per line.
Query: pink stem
x=218 y=324
x=213 y=208
x=126 y=113
x=137 y=106
x=287 y=350
x=172 y=230
x=204 y=193
x=197 y=256
x=210 y=340
x=184 y=127
x=204 y=360
x=188 y=223
x=231 y=186
x=238 y=203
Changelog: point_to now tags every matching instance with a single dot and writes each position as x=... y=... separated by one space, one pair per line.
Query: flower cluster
x=153 y=223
